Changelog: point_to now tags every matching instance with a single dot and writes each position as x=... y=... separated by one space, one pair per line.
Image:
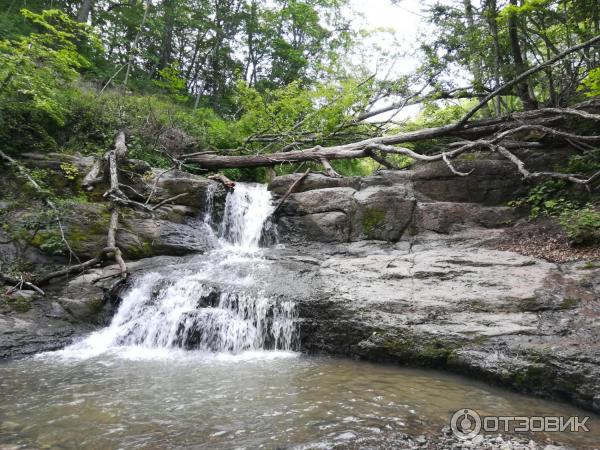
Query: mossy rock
x=372 y=220
x=408 y=348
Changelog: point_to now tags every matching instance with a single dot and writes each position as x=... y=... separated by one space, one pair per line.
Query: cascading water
x=211 y=303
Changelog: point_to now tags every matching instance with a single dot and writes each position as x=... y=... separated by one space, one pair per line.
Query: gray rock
x=444 y=217
x=321 y=227
x=313 y=181
x=177 y=182
x=387 y=205
x=321 y=201
x=492 y=182
x=382 y=213
x=447 y=301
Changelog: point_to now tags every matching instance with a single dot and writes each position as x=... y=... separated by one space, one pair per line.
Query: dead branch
x=223 y=180
x=155 y=185
x=329 y=170
x=557 y=175
x=111 y=241
x=116 y=196
x=453 y=170
x=381 y=160
x=69 y=270
x=18 y=284
x=170 y=199
x=289 y=192
x=94 y=176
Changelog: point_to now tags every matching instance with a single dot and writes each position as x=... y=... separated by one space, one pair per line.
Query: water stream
x=207 y=308
x=197 y=356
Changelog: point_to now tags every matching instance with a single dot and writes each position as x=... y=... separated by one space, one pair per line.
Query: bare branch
x=290 y=191
x=453 y=170
x=522 y=77
x=168 y=200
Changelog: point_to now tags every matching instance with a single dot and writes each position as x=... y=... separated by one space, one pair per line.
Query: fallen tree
x=498 y=135
x=500 y=140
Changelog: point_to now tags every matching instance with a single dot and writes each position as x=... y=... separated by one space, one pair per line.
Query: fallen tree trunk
x=501 y=139
x=460 y=129
x=115 y=195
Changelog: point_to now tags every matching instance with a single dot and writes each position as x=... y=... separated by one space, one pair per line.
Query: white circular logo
x=465 y=424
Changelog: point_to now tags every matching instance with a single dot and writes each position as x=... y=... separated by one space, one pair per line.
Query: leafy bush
x=546 y=199
x=581 y=223
x=35 y=73
x=591 y=84
x=582 y=226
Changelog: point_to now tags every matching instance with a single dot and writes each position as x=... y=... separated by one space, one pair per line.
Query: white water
x=209 y=305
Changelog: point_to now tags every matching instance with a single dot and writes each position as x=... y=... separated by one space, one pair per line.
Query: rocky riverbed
x=399 y=267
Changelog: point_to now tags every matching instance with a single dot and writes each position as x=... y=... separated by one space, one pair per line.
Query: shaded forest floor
x=545 y=238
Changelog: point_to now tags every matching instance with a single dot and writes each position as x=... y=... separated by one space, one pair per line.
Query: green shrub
x=582 y=226
x=547 y=198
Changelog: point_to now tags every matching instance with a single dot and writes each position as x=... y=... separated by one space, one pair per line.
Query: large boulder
x=389 y=204
x=452 y=302
x=382 y=213
x=332 y=226
x=174 y=182
x=491 y=182
x=445 y=217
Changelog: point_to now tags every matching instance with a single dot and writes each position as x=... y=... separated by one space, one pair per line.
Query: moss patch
x=372 y=219
x=18 y=304
x=569 y=303
x=590 y=265
x=405 y=347
x=96 y=305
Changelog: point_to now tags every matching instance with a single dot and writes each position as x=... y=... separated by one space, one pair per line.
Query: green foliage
x=171 y=81
x=547 y=198
x=591 y=84
x=493 y=41
x=35 y=72
x=586 y=163
x=70 y=171
x=581 y=225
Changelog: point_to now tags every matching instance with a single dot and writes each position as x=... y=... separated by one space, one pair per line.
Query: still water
x=133 y=397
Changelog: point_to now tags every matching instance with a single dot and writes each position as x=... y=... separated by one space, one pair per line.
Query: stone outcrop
x=393 y=267
x=394 y=203
x=448 y=302
x=28 y=235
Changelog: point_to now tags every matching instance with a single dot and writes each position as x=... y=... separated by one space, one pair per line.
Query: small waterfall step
x=212 y=305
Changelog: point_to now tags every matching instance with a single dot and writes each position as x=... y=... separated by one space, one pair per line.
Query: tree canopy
x=248 y=76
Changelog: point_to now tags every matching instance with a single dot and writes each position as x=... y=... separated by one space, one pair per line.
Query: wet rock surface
x=450 y=302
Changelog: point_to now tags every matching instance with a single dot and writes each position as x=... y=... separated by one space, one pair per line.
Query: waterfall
x=212 y=303
x=247 y=209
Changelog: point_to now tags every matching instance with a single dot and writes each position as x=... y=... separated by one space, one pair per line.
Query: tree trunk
x=83 y=13
x=167 y=40
x=492 y=17
x=524 y=90
x=475 y=60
